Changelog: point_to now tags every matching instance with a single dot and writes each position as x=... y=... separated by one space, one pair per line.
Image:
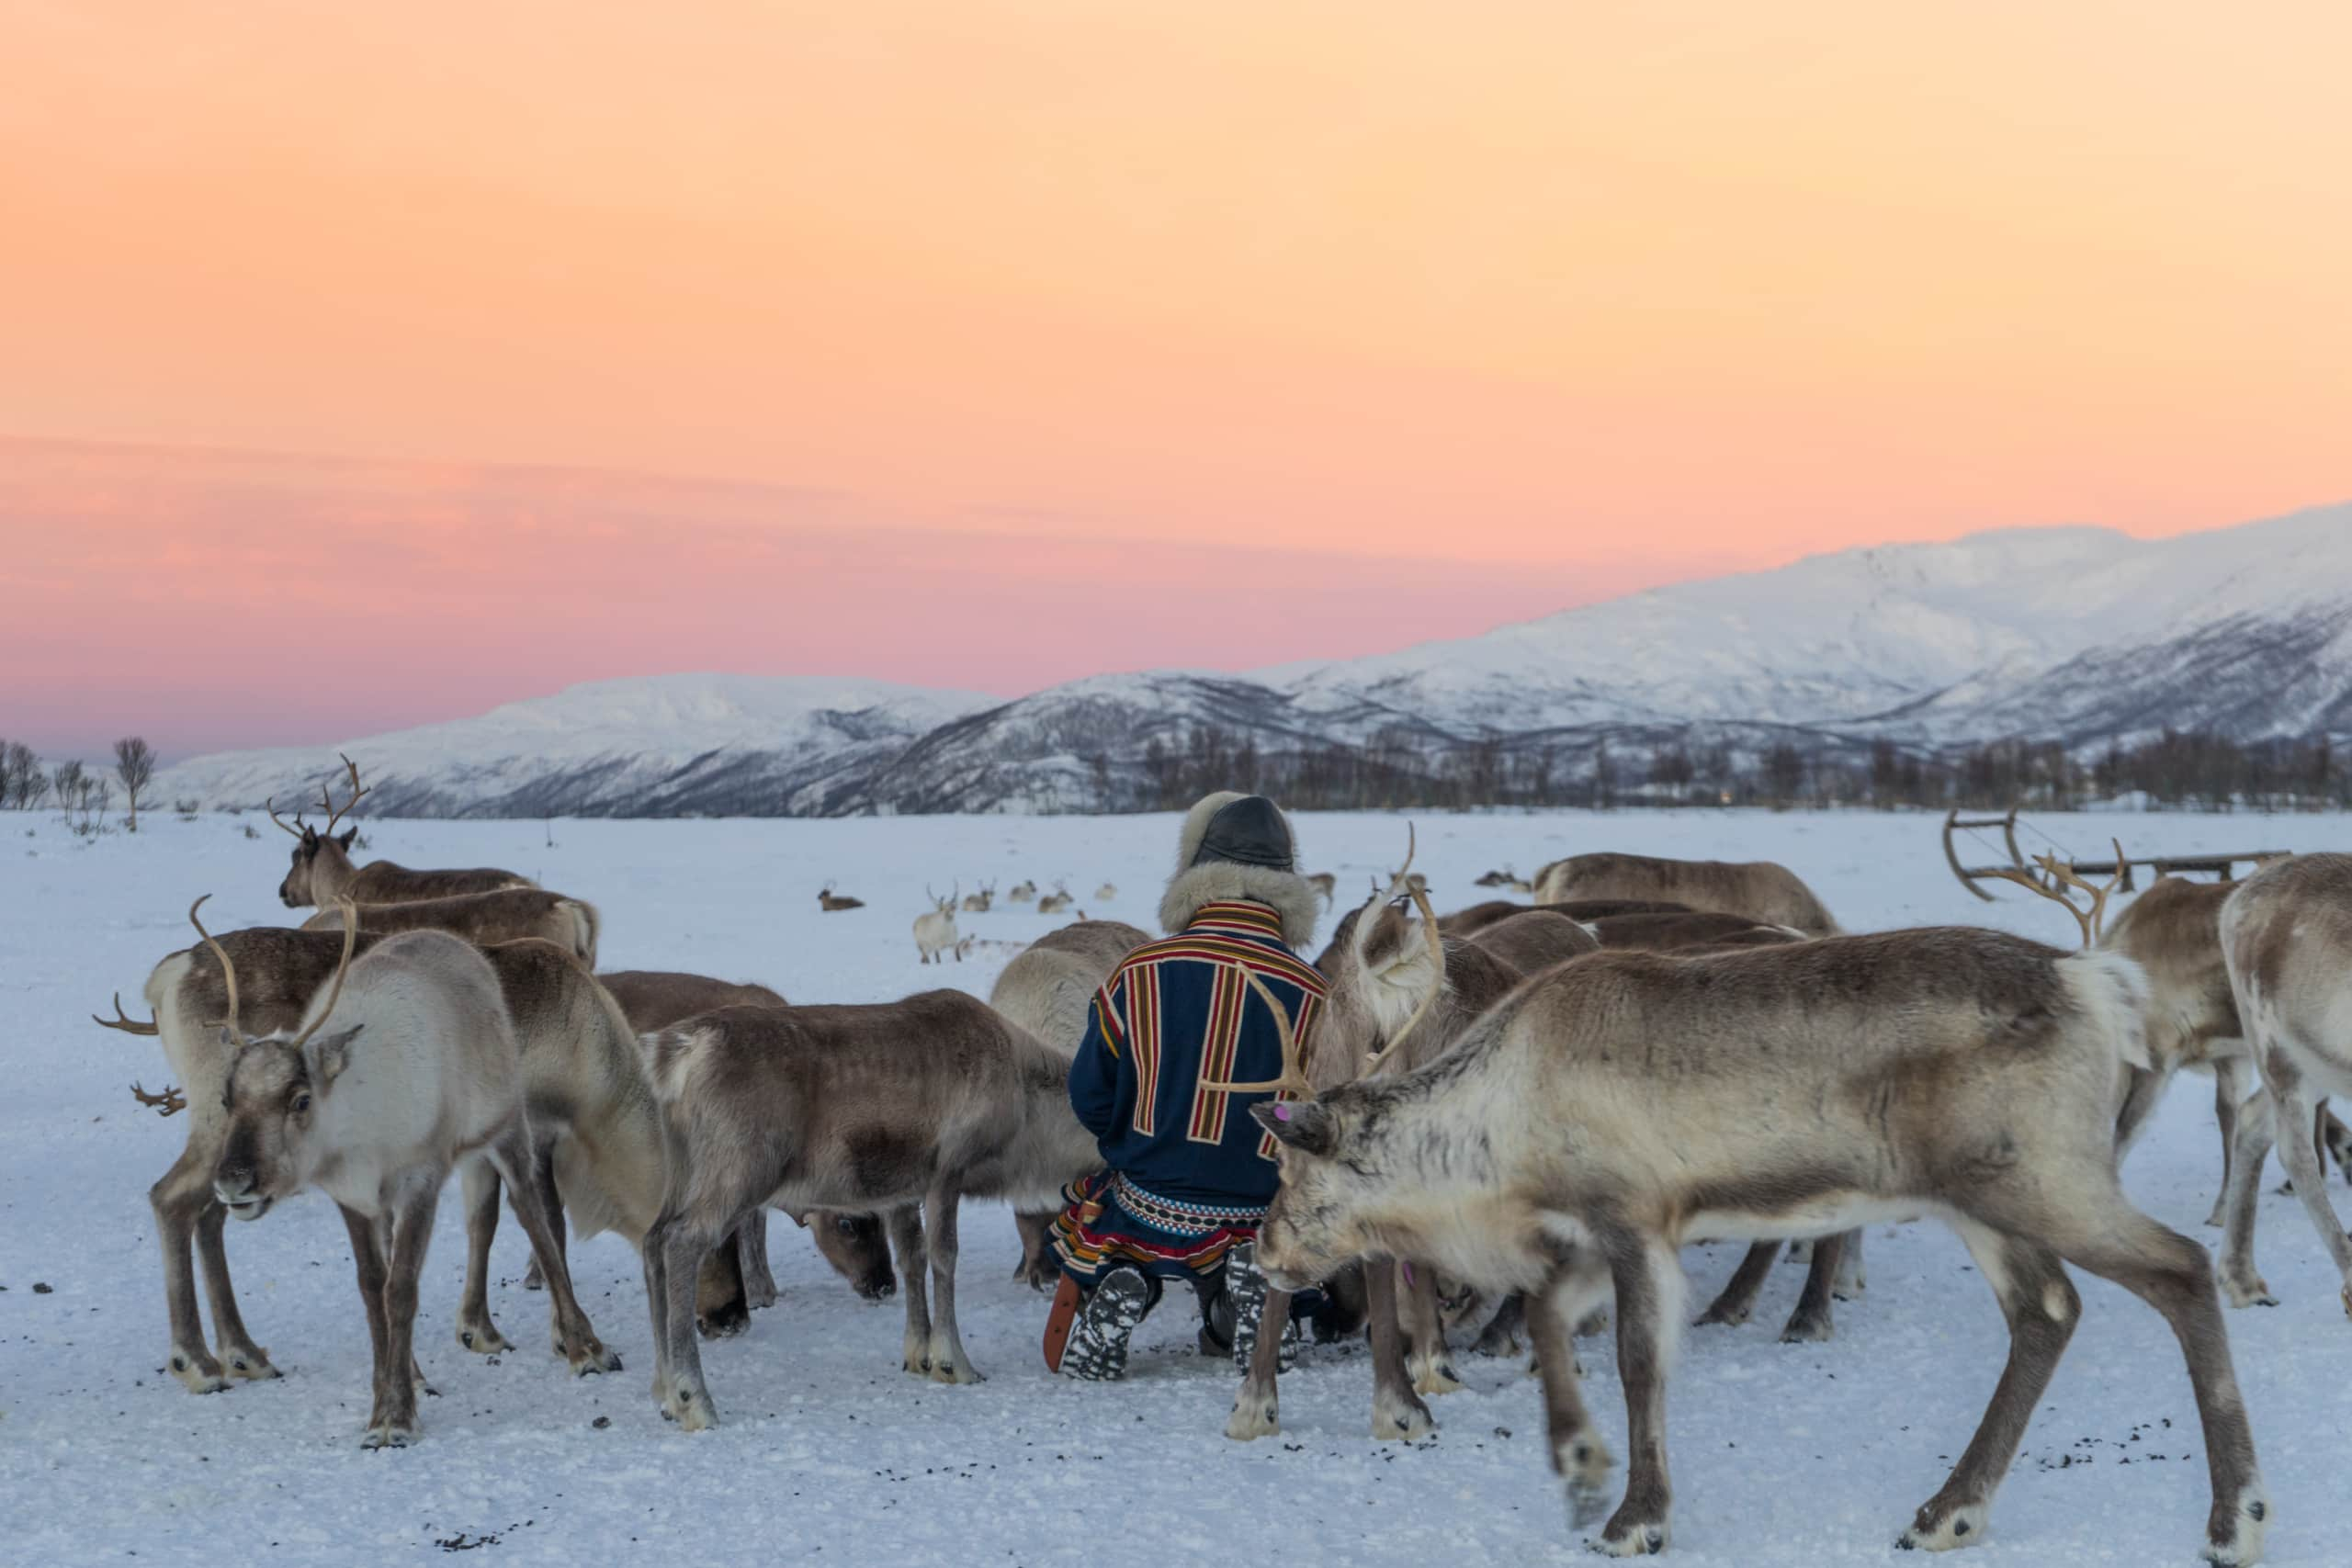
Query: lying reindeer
x=482 y=918
x=322 y=872
x=926 y=1100
x=1048 y=989
x=421 y=1074
x=1613 y=1107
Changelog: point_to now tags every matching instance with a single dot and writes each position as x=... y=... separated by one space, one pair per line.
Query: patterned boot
x=1096 y=1350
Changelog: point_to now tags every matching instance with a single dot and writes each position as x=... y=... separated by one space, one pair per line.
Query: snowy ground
x=1813 y=1455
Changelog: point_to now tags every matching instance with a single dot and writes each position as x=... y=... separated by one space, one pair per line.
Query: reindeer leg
x=1398 y=1412
x=2139 y=1102
x=1500 y=1336
x=722 y=1300
x=1579 y=1458
x=2042 y=1308
x=242 y=1357
x=2293 y=1099
x=946 y=1353
x=751 y=1246
x=1649 y=1280
x=2229 y=1089
x=1424 y=1329
x=683 y=1241
x=1731 y=1308
x=1256 y=1406
x=368 y=1260
x=2100 y=1230
x=181 y=1200
x=476 y=1332
x=1810 y=1324
x=2249 y=1147
x=907 y=1241
x=528 y=1161
x=1036 y=1269
x=393 y=1422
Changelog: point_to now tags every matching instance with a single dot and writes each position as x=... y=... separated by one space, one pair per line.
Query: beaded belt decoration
x=1178 y=1218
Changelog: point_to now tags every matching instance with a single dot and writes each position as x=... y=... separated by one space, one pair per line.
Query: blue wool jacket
x=1177 y=1011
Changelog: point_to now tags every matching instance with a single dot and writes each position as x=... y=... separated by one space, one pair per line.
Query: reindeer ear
x=330 y=1054
x=347 y=838
x=1300 y=1124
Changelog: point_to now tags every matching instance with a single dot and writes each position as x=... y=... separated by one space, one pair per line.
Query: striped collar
x=1237 y=916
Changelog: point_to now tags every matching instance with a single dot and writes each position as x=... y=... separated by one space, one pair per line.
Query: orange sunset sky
x=366 y=364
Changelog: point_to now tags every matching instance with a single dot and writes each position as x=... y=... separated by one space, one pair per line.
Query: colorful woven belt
x=1180 y=1218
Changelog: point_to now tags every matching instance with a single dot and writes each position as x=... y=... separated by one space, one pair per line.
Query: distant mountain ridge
x=2080 y=635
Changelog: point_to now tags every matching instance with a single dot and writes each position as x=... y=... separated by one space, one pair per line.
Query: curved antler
x=171 y=1102
x=1294 y=1073
x=334 y=815
x=350 y=940
x=298 y=830
x=1437 y=955
x=2061 y=876
x=123 y=1021
x=228 y=970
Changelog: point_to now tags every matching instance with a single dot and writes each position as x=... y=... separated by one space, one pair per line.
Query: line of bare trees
x=1402 y=767
x=83 y=796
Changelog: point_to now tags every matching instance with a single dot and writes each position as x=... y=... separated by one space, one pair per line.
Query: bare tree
x=23 y=783
x=134 y=764
x=65 y=784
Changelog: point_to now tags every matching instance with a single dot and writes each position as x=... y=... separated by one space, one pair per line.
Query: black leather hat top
x=1249 y=831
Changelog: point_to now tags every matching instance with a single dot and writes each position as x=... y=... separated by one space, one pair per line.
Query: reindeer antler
x=171 y=1102
x=350 y=940
x=1294 y=1073
x=1411 y=847
x=1437 y=955
x=300 y=829
x=334 y=815
x=2061 y=876
x=121 y=1020
x=228 y=970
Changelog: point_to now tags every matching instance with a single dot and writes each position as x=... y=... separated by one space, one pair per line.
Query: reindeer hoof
x=389 y=1434
x=1630 y=1539
x=252 y=1364
x=1807 y=1329
x=198 y=1373
x=1437 y=1380
x=2245 y=1291
x=593 y=1360
x=952 y=1371
x=483 y=1338
x=724 y=1322
x=1253 y=1418
x=1721 y=1316
x=1406 y=1421
x=1942 y=1530
x=692 y=1412
x=2234 y=1537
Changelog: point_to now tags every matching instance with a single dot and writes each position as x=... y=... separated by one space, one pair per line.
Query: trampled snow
x=1800 y=1455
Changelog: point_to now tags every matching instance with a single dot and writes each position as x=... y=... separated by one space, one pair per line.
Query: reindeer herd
x=1507 y=1118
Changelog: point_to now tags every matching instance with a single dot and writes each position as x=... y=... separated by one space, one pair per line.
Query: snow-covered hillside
x=1804 y=1456
x=2079 y=635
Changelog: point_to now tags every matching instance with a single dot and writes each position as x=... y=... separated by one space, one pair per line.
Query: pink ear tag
x=1282 y=1111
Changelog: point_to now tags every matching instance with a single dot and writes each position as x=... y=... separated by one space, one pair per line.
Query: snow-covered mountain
x=2079 y=635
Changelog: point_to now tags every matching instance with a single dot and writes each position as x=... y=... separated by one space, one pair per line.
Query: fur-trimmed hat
x=1247 y=852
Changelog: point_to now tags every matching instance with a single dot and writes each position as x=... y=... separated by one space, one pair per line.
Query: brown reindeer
x=737 y=1280
x=1606 y=1112
x=926 y=1101
x=1477 y=916
x=2287 y=938
x=833 y=902
x=1766 y=893
x=322 y=871
x=511 y=914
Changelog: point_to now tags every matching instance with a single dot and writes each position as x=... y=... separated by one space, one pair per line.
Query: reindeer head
x=1386 y=973
x=858 y=1249
x=944 y=906
x=277 y=1089
x=298 y=891
x=1333 y=1169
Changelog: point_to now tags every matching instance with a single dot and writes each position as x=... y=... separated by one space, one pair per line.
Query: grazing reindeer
x=511 y=914
x=322 y=872
x=379 y=1123
x=736 y=1279
x=977 y=903
x=1533 y=940
x=1023 y=893
x=1048 y=989
x=935 y=928
x=1053 y=903
x=1105 y=893
x=2287 y=938
x=831 y=901
x=926 y=1101
x=1766 y=893
x=1326 y=884
x=1604 y=1110
x=1507 y=879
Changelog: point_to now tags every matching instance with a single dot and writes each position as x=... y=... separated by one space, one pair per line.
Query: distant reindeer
x=322 y=873
x=977 y=903
x=1105 y=893
x=1023 y=892
x=1766 y=893
x=1053 y=903
x=512 y=914
x=936 y=929
x=1507 y=879
x=1326 y=884
x=829 y=900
